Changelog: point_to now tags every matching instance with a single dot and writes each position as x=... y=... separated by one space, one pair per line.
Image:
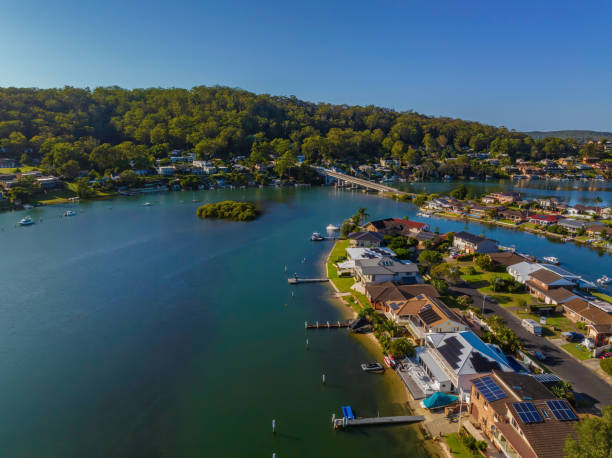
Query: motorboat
x=69 y=213
x=27 y=207
x=604 y=280
x=389 y=361
x=147 y=204
x=316 y=237
x=551 y=259
x=332 y=228
x=372 y=367
x=27 y=221
x=423 y=215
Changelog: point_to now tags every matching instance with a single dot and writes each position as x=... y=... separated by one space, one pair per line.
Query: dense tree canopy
x=110 y=128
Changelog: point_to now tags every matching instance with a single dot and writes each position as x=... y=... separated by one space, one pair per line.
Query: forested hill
x=109 y=127
x=583 y=135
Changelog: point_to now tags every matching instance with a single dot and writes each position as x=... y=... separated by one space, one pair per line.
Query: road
x=583 y=380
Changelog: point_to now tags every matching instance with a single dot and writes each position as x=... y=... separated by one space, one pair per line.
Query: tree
x=82 y=188
x=401 y=347
x=446 y=272
x=362 y=215
x=285 y=162
x=593 y=437
x=429 y=257
x=70 y=169
x=564 y=390
x=483 y=261
x=459 y=192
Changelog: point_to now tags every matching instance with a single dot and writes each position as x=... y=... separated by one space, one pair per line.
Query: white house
x=380 y=270
x=166 y=170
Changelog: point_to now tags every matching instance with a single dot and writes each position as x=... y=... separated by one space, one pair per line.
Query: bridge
x=367 y=184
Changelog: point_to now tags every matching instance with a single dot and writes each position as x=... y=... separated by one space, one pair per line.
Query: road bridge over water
x=360 y=182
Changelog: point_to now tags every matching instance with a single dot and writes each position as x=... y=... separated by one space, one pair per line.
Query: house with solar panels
x=453 y=359
x=520 y=415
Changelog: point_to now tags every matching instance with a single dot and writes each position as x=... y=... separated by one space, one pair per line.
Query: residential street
x=582 y=379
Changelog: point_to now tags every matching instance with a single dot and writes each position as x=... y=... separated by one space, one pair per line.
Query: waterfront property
x=379 y=293
x=542 y=281
x=365 y=239
x=470 y=243
x=455 y=358
x=385 y=269
x=520 y=415
x=396 y=226
x=572 y=225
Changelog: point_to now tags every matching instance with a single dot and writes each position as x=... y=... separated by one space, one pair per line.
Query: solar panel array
x=561 y=410
x=546 y=378
x=489 y=389
x=527 y=412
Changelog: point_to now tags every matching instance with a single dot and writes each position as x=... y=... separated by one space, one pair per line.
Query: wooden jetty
x=373 y=421
x=326 y=325
x=296 y=280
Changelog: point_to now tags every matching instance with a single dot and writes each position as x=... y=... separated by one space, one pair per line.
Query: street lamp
x=483 y=302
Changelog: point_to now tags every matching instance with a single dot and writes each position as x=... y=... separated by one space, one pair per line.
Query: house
x=165 y=170
x=385 y=269
x=355 y=253
x=520 y=415
x=505 y=258
x=513 y=215
x=505 y=197
x=426 y=238
x=587 y=209
x=48 y=182
x=599 y=229
x=521 y=272
x=454 y=358
x=365 y=239
x=572 y=226
x=543 y=280
x=7 y=163
x=599 y=323
x=542 y=219
x=396 y=226
x=470 y=243
x=379 y=293
x=205 y=166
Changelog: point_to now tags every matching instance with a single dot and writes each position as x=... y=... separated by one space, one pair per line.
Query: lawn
x=579 y=351
x=344 y=283
x=457 y=447
x=25 y=168
x=602 y=296
x=606 y=221
x=555 y=324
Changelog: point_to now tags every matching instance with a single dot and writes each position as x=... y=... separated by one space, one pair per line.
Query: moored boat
x=372 y=367
x=551 y=259
x=332 y=227
x=69 y=213
x=316 y=237
x=147 y=204
x=604 y=280
x=27 y=221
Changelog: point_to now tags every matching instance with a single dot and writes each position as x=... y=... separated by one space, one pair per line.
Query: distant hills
x=565 y=134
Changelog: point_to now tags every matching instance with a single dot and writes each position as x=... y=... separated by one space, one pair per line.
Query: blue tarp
x=439 y=400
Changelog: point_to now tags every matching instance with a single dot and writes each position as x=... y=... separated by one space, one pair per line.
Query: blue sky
x=526 y=65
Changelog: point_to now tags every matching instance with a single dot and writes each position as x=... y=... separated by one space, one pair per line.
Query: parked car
x=605 y=355
x=573 y=336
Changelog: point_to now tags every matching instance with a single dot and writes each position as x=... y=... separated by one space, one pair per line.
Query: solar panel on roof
x=527 y=412
x=546 y=378
x=451 y=351
x=489 y=389
x=561 y=410
x=482 y=364
x=429 y=315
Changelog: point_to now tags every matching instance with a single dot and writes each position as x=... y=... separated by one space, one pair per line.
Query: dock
x=326 y=325
x=374 y=421
x=296 y=280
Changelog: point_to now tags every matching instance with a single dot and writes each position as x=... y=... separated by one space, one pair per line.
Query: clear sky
x=536 y=65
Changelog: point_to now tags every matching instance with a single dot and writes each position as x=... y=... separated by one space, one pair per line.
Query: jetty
x=326 y=325
x=374 y=421
x=295 y=280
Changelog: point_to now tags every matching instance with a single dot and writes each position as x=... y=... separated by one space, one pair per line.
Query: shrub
x=465 y=257
x=606 y=365
x=483 y=261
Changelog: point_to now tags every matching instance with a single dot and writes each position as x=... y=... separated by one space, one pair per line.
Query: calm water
x=133 y=331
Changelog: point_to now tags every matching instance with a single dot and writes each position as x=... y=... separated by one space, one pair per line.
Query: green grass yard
x=457 y=447
x=602 y=296
x=578 y=351
x=25 y=168
x=343 y=284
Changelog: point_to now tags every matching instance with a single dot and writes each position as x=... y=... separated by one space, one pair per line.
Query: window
x=545 y=413
x=477 y=395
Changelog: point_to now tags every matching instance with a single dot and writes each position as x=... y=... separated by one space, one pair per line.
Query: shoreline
x=397 y=392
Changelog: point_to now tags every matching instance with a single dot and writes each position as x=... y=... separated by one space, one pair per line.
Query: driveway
x=582 y=379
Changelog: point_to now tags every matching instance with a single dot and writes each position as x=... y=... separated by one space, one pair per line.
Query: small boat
x=372 y=367
x=147 y=204
x=27 y=221
x=423 y=215
x=27 y=207
x=604 y=280
x=69 y=213
x=332 y=228
x=551 y=259
x=316 y=237
x=389 y=361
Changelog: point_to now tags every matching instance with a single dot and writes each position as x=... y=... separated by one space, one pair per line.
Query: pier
x=296 y=280
x=326 y=325
x=374 y=421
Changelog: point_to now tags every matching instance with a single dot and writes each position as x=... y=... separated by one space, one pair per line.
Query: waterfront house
x=505 y=258
x=470 y=243
x=379 y=293
x=505 y=197
x=355 y=253
x=520 y=415
x=423 y=314
x=513 y=215
x=365 y=239
x=385 y=269
x=454 y=358
x=543 y=280
x=48 y=182
x=572 y=225
x=396 y=226
x=166 y=170
x=543 y=219
x=590 y=210
x=599 y=230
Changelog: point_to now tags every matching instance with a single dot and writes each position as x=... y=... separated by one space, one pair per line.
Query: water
x=145 y=331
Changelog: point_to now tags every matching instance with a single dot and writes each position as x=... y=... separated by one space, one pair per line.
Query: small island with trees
x=229 y=209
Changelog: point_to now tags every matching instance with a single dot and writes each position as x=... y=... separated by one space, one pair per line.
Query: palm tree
x=361 y=215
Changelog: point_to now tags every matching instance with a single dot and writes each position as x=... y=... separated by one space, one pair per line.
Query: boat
x=316 y=237
x=389 y=361
x=423 y=215
x=27 y=207
x=372 y=367
x=551 y=259
x=69 y=213
x=27 y=221
x=147 y=204
x=332 y=228
x=604 y=280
